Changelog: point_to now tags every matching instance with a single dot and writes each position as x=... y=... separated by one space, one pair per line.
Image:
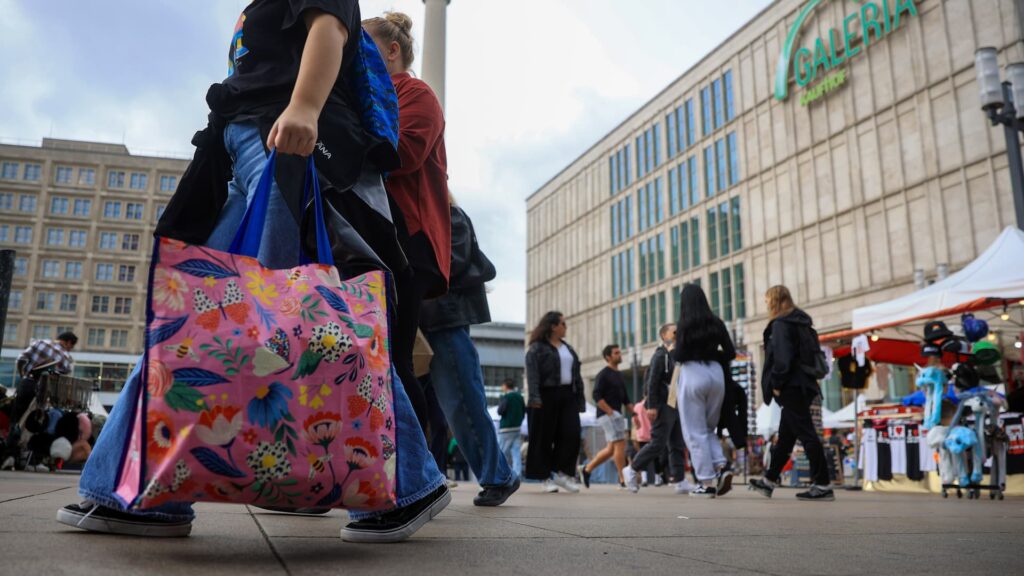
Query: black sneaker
x=95 y=518
x=724 y=482
x=817 y=493
x=298 y=511
x=495 y=495
x=585 y=476
x=702 y=491
x=398 y=524
x=762 y=487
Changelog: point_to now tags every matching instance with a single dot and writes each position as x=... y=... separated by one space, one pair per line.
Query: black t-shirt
x=265 y=53
x=611 y=387
x=851 y=375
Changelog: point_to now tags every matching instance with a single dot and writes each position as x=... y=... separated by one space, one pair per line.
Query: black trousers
x=666 y=433
x=796 y=424
x=403 y=339
x=554 y=434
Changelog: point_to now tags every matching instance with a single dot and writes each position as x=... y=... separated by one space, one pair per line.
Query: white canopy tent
x=845 y=417
x=995 y=277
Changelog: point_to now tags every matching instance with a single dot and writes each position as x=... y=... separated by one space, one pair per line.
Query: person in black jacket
x=785 y=382
x=455 y=367
x=666 y=431
x=555 y=398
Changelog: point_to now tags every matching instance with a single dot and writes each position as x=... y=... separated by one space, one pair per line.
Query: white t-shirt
x=566 y=360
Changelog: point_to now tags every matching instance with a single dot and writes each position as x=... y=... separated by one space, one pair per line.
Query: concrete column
x=434 y=34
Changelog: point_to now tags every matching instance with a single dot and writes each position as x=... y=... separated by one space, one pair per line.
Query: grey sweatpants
x=701 y=393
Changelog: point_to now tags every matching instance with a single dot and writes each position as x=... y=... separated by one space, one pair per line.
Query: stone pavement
x=600 y=531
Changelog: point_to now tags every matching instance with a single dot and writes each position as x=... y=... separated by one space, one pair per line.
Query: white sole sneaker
x=401 y=533
x=632 y=479
x=125 y=526
x=724 y=483
x=565 y=483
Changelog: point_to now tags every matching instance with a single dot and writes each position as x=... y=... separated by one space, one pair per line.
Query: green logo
x=867 y=25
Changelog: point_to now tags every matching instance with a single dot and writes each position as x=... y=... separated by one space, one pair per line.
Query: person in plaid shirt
x=42 y=355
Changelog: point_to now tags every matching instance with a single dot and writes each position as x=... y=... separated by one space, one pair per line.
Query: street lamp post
x=997 y=101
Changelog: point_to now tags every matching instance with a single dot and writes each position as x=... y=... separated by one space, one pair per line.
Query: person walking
x=702 y=347
x=641 y=436
x=611 y=397
x=512 y=409
x=784 y=381
x=666 y=429
x=455 y=371
x=555 y=398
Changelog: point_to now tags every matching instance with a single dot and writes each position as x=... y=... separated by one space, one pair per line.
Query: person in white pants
x=703 y=347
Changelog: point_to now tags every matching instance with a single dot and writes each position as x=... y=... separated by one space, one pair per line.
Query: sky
x=531 y=85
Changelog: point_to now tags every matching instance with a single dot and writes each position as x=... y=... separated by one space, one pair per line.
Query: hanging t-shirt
x=898 y=448
x=884 y=453
x=1015 y=447
x=869 y=454
x=566 y=361
x=265 y=53
x=852 y=375
x=914 y=453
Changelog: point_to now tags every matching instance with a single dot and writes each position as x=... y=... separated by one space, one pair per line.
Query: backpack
x=811 y=356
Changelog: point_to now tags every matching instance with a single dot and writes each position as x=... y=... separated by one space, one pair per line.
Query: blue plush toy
x=959 y=440
x=932 y=380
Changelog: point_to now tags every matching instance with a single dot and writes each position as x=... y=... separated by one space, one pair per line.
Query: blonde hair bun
x=401 y=20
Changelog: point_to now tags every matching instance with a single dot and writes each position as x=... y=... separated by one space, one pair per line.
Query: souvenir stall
x=954 y=434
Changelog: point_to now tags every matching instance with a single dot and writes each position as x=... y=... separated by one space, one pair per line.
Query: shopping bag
x=266 y=387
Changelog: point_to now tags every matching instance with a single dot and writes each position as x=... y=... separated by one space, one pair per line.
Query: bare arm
x=295 y=131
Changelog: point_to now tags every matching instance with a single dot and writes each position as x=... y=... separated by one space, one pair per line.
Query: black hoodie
x=782 y=358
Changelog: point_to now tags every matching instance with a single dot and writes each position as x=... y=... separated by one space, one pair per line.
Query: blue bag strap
x=250 y=231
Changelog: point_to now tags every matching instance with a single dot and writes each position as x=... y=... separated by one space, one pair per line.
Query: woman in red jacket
x=418 y=192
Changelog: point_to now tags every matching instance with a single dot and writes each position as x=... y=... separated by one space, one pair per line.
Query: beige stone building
x=80 y=216
x=868 y=160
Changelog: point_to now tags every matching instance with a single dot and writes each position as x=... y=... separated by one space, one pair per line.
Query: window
x=33 y=172
x=674 y=249
x=695 y=242
x=68 y=302
x=661 y=256
x=108 y=240
x=42 y=331
x=737 y=239
x=45 y=300
x=134 y=210
x=7 y=201
x=100 y=304
x=677 y=302
x=716 y=98
x=643 y=264
x=684 y=246
x=615 y=275
x=122 y=306
x=709 y=172
x=64 y=175
x=130 y=242
x=97 y=337
x=656 y=138
x=740 y=287
x=691 y=124
x=727 y=295
x=723 y=229
x=118 y=338
x=23 y=235
x=82 y=207
x=14 y=300
x=629 y=270
x=105 y=272
x=86 y=177
x=55 y=237
x=73 y=271
x=612 y=180
x=78 y=238
x=730 y=108
x=716 y=298
x=111 y=209
x=5 y=232
x=10 y=333
x=9 y=171
x=138 y=181
x=734 y=159
x=126 y=273
x=694 y=185
x=160 y=210
x=705 y=105
x=115 y=179
x=20 y=266
x=671 y=133
x=712 y=233
x=722 y=165
x=641 y=156
x=27 y=203
x=51 y=269
x=168 y=183
x=58 y=205
x=644 y=329
x=63 y=329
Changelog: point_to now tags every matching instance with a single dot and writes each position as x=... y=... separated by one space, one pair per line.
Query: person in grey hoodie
x=785 y=383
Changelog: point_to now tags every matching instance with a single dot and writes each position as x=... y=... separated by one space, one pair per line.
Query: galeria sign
x=862 y=28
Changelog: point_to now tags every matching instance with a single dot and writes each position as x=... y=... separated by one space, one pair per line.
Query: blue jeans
x=459 y=385
x=511 y=442
x=279 y=245
x=416 y=473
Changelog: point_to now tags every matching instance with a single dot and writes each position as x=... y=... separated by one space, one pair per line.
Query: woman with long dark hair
x=555 y=400
x=703 y=348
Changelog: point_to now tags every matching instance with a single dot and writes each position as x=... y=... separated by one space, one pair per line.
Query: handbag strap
x=250 y=231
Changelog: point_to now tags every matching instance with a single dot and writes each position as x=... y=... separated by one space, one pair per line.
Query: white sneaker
x=684 y=487
x=451 y=483
x=40 y=468
x=632 y=479
x=565 y=482
x=8 y=464
x=658 y=480
x=548 y=487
